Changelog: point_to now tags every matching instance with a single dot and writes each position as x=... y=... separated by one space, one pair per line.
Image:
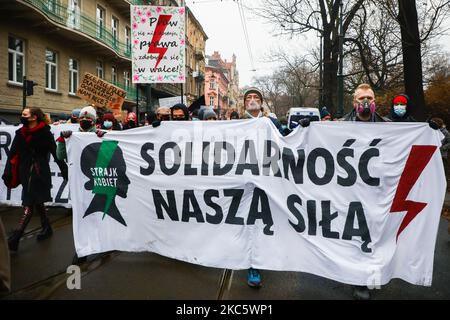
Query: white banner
x=158 y=44
x=354 y=202
x=60 y=189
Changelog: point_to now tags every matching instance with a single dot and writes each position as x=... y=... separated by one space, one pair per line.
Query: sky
x=221 y=22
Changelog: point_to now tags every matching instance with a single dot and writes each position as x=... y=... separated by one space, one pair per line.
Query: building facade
x=228 y=71
x=54 y=42
x=195 y=58
x=216 y=90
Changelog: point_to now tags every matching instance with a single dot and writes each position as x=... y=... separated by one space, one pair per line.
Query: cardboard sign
x=101 y=93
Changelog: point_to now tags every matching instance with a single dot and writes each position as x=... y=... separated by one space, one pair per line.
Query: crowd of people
x=34 y=143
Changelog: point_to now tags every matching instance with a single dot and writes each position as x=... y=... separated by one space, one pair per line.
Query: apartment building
x=54 y=42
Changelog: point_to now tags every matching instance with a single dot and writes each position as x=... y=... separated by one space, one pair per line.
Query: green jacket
x=61 y=152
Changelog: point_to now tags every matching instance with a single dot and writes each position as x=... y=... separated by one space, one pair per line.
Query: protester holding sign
x=33 y=143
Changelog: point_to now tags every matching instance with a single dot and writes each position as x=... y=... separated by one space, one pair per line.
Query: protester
x=109 y=122
x=33 y=143
x=179 y=112
x=163 y=114
x=325 y=115
x=194 y=115
x=253 y=100
x=130 y=121
x=445 y=147
x=364 y=106
x=87 y=120
x=364 y=110
x=74 y=116
x=209 y=115
x=399 y=111
x=150 y=118
x=234 y=115
x=5 y=267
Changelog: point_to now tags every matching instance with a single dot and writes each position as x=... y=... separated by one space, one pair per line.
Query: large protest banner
x=60 y=188
x=158 y=44
x=354 y=202
x=102 y=94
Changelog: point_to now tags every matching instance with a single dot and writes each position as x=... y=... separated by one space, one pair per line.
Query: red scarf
x=27 y=133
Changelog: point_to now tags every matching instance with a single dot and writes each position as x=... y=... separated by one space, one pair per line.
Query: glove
x=66 y=134
x=100 y=133
x=156 y=123
x=433 y=125
x=304 y=122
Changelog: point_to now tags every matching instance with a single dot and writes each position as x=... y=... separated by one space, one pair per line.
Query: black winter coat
x=34 y=169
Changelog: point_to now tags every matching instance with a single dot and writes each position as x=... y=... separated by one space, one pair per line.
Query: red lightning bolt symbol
x=161 y=25
x=416 y=163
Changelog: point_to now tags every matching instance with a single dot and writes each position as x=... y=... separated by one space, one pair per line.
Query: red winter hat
x=400 y=100
x=108 y=116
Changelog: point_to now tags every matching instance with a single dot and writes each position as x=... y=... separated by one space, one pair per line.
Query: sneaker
x=361 y=293
x=254 y=278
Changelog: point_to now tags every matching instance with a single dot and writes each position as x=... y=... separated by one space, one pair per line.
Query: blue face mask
x=107 y=124
x=400 y=110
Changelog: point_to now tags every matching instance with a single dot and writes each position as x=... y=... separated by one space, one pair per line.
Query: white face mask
x=253 y=106
x=400 y=110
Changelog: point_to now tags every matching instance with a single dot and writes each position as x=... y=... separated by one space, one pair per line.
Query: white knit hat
x=88 y=112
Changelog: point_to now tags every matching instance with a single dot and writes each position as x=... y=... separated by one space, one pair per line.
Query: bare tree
x=374 y=53
x=302 y=16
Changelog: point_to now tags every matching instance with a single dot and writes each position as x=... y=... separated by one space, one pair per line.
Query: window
x=51 y=70
x=115 y=30
x=100 y=22
x=73 y=76
x=212 y=85
x=73 y=19
x=16 y=60
x=126 y=78
x=99 y=67
x=128 y=38
x=211 y=101
x=114 y=75
x=51 y=5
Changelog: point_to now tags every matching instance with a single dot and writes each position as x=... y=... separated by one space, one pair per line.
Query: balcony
x=198 y=76
x=131 y=90
x=80 y=22
x=199 y=54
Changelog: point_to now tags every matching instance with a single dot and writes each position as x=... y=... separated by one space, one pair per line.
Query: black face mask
x=131 y=124
x=73 y=120
x=85 y=124
x=24 y=121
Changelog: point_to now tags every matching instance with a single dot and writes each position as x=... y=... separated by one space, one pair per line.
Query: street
x=39 y=272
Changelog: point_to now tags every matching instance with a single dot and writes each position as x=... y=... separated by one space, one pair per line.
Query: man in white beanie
x=87 y=119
